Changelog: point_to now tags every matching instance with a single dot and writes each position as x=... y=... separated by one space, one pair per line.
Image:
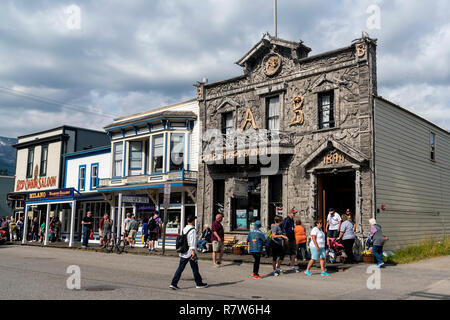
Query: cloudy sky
x=124 y=57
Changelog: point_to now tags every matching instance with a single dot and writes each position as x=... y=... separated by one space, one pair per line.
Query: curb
x=338 y=267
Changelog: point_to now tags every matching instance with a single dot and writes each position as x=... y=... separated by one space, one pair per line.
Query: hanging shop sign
x=135 y=199
x=16 y=197
x=50 y=194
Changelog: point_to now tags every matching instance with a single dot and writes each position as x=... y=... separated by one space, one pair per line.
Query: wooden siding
x=414 y=189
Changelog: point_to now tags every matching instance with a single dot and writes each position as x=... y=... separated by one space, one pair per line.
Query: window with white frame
x=176 y=151
x=273 y=113
x=94 y=176
x=157 y=153
x=82 y=178
x=117 y=159
x=135 y=158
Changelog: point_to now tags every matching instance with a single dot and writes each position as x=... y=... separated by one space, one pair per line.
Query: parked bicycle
x=118 y=244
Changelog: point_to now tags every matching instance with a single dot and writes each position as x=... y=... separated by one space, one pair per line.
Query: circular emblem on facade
x=272 y=64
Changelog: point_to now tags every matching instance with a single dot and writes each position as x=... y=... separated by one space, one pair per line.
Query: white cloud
x=135 y=55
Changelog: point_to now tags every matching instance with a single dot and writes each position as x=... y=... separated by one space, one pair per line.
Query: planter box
x=368 y=258
x=238 y=251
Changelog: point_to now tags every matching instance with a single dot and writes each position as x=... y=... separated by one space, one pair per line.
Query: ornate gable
x=271 y=55
x=333 y=155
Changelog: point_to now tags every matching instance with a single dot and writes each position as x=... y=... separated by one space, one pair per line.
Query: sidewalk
x=245 y=258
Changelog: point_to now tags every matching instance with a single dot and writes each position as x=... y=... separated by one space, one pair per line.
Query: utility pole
x=167 y=190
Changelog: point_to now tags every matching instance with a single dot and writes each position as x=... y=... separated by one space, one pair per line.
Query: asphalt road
x=41 y=273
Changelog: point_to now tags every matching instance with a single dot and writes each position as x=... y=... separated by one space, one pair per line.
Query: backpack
x=152 y=224
x=269 y=236
x=182 y=245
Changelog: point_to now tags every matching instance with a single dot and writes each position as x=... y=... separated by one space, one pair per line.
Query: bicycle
x=117 y=245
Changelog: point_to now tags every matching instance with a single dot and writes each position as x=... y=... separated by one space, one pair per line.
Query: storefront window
x=247 y=210
x=275 y=196
x=157 y=153
x=98 y=209
x=218 y=197
x=176 y=151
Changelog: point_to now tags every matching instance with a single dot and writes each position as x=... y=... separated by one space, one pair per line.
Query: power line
x=61 y=104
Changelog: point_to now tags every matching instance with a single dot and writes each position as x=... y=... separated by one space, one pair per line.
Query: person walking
x=20 y=228
x=13 y=229
x=107 y=230
x=205 y=238
x=256 y=241
x=317 y=249
x=277 y=246
x=133 y=227
x=351 y=218
x=145 y=232
x=5 y=227
x=154 y=225
x=190 y=256
x=125 y=226
x=35 y=230
x=287 y=227
x=87 y=223
x=42 y=231
x=347 y=235
x=100 y=230
x=377 y=238
x=333 y=225
x=217 y=238
x=300 y=239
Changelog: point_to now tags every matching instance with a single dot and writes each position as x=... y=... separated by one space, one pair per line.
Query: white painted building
x=83 y=170
x=149 y=150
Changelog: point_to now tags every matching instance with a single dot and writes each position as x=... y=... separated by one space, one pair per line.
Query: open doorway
x=335 y=190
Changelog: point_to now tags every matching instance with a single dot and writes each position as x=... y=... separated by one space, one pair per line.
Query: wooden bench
x=229 y=241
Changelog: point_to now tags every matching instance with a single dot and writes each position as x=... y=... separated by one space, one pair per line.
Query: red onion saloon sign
x=36 y=183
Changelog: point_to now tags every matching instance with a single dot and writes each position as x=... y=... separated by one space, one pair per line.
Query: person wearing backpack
x=256 y=241
x=154 y=223
x=187 y=246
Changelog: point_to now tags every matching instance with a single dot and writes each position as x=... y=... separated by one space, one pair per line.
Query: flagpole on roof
x=275 y=17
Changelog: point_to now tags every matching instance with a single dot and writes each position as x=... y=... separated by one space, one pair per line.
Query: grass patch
x=424 y=250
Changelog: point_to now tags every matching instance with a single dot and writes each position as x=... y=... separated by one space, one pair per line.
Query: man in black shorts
x=278 y=238
x=288 y=226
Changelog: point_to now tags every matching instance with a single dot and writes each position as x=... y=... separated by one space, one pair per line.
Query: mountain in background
x=7 y=155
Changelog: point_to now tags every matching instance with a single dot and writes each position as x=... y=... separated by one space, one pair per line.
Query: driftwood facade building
x=298 y=131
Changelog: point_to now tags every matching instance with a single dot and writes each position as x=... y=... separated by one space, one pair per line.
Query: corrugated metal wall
x=414 y=189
